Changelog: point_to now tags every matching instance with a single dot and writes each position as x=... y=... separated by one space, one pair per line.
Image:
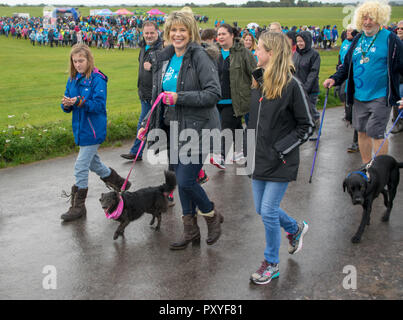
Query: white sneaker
x=238 y=156
x=217 y=161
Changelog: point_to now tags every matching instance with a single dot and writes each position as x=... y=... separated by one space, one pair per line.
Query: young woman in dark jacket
x=186 y=73
x=307 y=66
x=282 y=121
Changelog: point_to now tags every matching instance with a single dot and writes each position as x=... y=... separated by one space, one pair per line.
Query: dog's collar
x=361 y=173
x=118 y=211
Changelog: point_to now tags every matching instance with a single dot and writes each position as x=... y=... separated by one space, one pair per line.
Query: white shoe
x=217 y=161
x=238 y=156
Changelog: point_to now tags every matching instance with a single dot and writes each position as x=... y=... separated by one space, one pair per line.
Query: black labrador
x=151 y=200
x=382 y=176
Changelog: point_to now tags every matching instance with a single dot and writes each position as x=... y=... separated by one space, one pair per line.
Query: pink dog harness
x=118 y=211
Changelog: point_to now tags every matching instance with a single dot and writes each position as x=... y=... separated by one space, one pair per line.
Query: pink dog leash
x=116 y=214
x=160 y=96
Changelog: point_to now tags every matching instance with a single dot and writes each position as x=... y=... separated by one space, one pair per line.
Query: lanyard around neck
x=364 y=53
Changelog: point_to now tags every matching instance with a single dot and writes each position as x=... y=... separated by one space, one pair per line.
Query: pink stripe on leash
x=160 y=96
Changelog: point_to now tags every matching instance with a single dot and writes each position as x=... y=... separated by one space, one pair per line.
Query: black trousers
x=228 y=121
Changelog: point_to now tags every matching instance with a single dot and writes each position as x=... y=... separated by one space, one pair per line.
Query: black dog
x=365 y=185
x=151 y=200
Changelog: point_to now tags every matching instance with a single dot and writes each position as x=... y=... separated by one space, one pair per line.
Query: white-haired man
x=372 y=66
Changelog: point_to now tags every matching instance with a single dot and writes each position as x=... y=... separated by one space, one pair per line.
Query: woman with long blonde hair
x=249 y=42
x=282 y=122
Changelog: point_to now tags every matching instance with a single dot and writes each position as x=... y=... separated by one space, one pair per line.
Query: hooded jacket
x=198 y=90
x=89 y=117
x=307 y=64
x=281 y=125
x=145 y=78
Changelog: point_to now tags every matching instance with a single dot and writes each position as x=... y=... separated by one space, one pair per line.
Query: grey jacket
x=198 y=90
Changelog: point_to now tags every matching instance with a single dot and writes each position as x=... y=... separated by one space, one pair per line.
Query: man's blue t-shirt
x=147 y=47
x=171 y=75
x=371 y=78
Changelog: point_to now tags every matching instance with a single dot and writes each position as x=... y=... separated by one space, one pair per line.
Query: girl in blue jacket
x=85 y=98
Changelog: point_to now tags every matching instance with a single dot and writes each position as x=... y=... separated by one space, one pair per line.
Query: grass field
x=33 y=81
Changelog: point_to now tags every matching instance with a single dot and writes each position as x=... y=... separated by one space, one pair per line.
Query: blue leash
x=386 y=137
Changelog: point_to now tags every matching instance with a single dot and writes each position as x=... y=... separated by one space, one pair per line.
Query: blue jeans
x=246 y=117
x=267 y=196
x=191 y=194
x=88 y=159
x=145 y=108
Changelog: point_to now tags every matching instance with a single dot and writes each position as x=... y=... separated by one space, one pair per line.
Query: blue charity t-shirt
x=343 y=50
x=147 y=47
x=366 y=89
x=170 y=80
x=225 y=55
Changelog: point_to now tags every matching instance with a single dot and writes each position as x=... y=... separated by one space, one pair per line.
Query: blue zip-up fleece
x=394 y=66
x=89 y=114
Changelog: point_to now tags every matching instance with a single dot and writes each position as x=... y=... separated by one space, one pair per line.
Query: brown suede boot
x=213 y=220
x=77 y=209
x=191 y=233
x=74 y=189
x=115 y=181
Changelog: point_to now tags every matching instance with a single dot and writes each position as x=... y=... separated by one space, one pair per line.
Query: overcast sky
x=94 y=3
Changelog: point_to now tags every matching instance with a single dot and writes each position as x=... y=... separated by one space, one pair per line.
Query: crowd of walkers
x=252 y=80
x=95 y=31
x=100 y=31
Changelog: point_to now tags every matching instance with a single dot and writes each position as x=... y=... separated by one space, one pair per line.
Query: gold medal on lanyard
x=364 y=58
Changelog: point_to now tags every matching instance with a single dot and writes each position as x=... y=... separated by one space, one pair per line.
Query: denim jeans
x=191 y=194
x=88 y=159
x=145 y=108
x=267 y=196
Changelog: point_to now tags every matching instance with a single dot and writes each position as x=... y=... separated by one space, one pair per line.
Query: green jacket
x=242 y=64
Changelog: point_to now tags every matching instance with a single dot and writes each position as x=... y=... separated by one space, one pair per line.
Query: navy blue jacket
x=89 y=118
x=395 y=67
